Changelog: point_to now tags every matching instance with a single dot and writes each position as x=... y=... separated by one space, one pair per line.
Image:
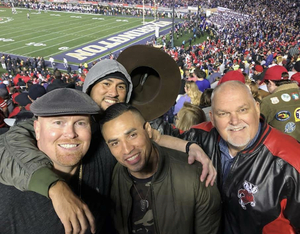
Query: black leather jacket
x=261 y=193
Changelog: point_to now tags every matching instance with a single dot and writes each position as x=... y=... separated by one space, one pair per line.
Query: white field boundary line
x=65 y=41
x=55 y=32
x=119 y=48
x=106 y=37
x=79 y=13
x=59 y=52
x=84 y=35
x=125 y=45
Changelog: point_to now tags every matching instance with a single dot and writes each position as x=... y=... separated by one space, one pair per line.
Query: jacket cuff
x=41 y=180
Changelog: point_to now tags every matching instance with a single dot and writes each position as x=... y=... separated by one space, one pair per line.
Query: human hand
x=208 y=170
x=72 y=212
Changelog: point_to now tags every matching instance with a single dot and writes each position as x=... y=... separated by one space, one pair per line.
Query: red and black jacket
x=261 y=193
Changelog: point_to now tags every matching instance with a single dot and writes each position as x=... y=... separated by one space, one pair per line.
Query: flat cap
x=64 y=101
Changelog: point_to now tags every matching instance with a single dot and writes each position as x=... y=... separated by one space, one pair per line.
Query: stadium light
x=155 y=11
x=173 y=24
x=143 y=11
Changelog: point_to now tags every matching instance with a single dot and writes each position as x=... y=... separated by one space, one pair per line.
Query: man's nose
x=234 y=118
x=113 y=91
x=70 y=132
x=127 y=147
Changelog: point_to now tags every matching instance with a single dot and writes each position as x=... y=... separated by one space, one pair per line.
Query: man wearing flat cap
x=63 y=133
x=108 y=82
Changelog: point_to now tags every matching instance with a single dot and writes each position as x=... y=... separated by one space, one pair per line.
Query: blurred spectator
x=21 y=116
x=23 y=100
x=3 y=109
x=253 y=86
x=296 y=76
x=188 y=116
x=205 y=102
x=193 y=92
x=4 y=94
x=282 y=107
x=201 y=82
x=258 y=73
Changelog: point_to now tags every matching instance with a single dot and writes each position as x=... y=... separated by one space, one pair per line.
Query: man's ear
x=212 y=118
x=37 y=129
x=257 y=107
x=148 y=129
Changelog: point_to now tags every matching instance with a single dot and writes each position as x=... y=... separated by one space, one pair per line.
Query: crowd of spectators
x=25 y=81
x=103 y=8
x=256 y=34
x=250 y=37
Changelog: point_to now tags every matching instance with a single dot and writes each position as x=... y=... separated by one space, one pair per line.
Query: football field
x=77 y=37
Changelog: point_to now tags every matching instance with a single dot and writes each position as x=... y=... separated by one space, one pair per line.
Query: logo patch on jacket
x=274 y=100
x=289 y=127
x=283 y=115
x=246 y=194
x=285 y=97
x=297 y=114
x=295 y=96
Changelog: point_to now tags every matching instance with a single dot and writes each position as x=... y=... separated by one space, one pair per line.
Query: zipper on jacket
x=129 y=228
x=232 y=168
x=154 y=210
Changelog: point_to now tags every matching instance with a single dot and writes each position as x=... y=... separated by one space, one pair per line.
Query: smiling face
x=65 y=139
x=129 y=141
x=235 y=115
x=108 y=92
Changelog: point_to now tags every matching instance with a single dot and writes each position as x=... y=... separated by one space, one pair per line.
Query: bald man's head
x=235 y=114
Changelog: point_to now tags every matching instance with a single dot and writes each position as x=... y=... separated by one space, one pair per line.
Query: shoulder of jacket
x=284 y=147
x=179 y=162
x=205 y=126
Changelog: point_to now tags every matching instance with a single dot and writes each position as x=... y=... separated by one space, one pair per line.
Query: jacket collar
x=286 y=87
x=264 y=131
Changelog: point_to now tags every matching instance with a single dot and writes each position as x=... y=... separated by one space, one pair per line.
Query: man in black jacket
x=258 y=166
x=154 y=189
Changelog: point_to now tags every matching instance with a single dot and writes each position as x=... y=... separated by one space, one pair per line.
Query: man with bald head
x=258 y=166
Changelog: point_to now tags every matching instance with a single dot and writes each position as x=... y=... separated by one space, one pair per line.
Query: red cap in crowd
x=259 y=68
x=232 y=75
x=274 y=73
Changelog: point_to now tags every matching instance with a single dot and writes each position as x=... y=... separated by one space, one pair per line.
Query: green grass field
x=48 y=34
x=53 y=33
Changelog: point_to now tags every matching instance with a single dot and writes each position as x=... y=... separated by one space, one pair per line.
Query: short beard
x=77 y=156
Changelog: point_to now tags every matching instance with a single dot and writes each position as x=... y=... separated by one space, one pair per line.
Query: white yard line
x=55 y=32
